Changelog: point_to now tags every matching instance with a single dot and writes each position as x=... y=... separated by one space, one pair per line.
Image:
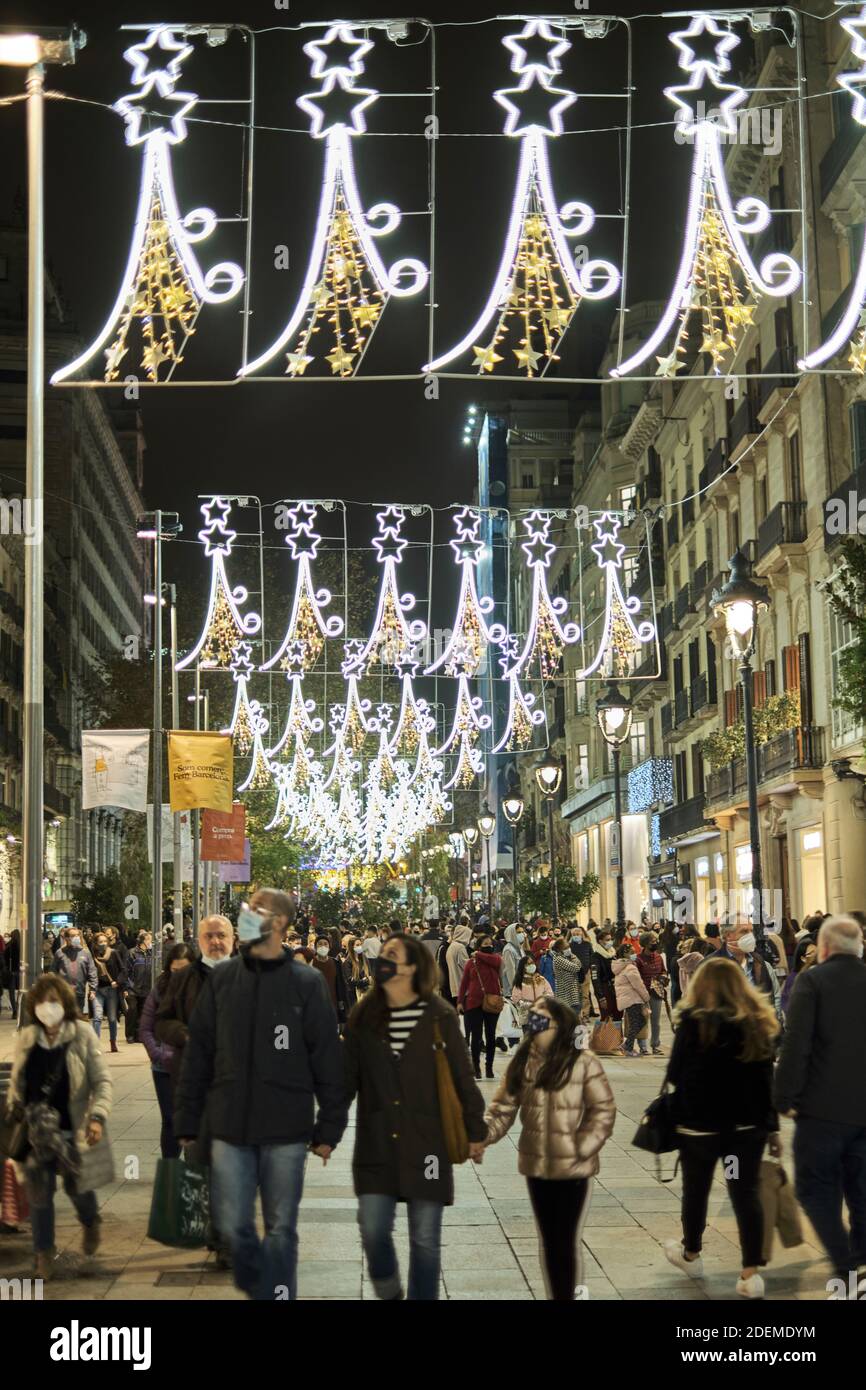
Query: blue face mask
x=538 y=1023
x=252 y=926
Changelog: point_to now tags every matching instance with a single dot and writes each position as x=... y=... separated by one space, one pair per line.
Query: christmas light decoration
x=392 y=636
x=301 y=721
x=347 y=285
x=471 y=635
x=245 y=709
x=348 y=720
x=224 y=625
x=652 y=781
x=717 y=280
x=850 y=331
x=538 y=286
x=547 y=635
x=621 y=637
x=260 y=774
x=163 y=287
x=468 y=724
x=414 y=716
x=307 y=623
x=523 y=717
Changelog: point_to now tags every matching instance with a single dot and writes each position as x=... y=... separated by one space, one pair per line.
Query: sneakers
x=657 y=1052
x=91 y=1237
x=675 y=1253
x=489 y=1074
x=752 y=1287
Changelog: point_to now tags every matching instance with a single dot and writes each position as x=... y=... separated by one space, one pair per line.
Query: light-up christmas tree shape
x=546 y=635
x=471 y=634
x=163 y=286
x=261 y=773
x=392 y=636
x=414 y=716
x=307 y=622
x=224 y=625
x=717 y=281
x=301 y=720
x=523 y=717
x=621 y=637
x=348 y=719
x=850 y=331
x=468 y=724
x=538 y=286
x=347 y=285
x=245 y=709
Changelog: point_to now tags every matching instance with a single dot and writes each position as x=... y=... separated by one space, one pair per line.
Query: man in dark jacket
x=819 y=1079
x=263 y=1053
x=176 y=1008
x=738 y=945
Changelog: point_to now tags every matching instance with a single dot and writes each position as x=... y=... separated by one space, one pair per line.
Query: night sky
x=374 y=441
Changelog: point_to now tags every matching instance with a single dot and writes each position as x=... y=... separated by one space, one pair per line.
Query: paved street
x=490 y=1250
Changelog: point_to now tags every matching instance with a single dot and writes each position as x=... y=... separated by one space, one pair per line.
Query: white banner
x=167 y=844
x=114 y=768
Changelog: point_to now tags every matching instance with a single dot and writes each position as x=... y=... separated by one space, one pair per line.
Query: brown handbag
x=453 y=1124
x=490 y=1003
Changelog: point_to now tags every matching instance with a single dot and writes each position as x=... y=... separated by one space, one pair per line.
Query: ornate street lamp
x=614 y=714
x=738 y=602
x=513 y=807
x=470 y=835
x=548 y=777
x=487 y=825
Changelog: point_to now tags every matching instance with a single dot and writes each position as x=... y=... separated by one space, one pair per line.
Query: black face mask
x=487 y=950
x=384 y=970
x=538 y=1023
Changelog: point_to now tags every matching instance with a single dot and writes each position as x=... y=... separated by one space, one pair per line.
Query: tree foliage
x=536 y=897
x=846 y=593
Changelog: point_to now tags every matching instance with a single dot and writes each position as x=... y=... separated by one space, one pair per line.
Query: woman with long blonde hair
x=721 y=1069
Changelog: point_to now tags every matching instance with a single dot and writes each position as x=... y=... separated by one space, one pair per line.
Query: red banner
x=222 y=834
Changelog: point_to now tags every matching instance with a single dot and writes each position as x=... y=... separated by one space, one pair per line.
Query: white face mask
x=530 y=970
x=252 y=925
x=322 y=952
x=50 y=1013
x=75 y=941
x=747 y=943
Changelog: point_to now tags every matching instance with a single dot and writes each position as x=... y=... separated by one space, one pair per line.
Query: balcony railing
x=784 y=525
x=666 y=621
x=717 y=460
x=679 y=820
x=667 y=717
x=687 y=512
x=673 y=529
x=699 y=584
x=792 y=749
x=781 y=373
x=650 y=486
x=681 y=707
x=743 y=422
x=727 y=782
x=698 y=697
x=683 y=603
x=649 y=569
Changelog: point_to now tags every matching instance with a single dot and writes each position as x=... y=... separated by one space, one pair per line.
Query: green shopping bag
x=179 y=1206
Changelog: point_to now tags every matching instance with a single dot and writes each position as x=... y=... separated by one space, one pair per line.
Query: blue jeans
x=376 y=1213
x=42 y=1217
x=265 y=1269
x=105 y=1002
x=830 y=1164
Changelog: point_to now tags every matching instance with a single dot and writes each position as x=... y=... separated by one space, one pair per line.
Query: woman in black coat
x=10 y=966
x=400 y=1150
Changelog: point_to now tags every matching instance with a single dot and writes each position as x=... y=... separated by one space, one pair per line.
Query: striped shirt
x=401 y=1022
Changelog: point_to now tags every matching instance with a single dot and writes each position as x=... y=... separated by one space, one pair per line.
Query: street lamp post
x=512 y=809
x=738 y=601
x=548 y=776
x=470 y=836
x=34 y=49
x=614 y=714
x=487 y=825
x=455 y=850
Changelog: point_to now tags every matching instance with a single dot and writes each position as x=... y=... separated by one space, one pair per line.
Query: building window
x=527 y=481
x=638 y=743
x=846 y=729
x=628 y=498
x=795 y=470
x=582 y=779
x=761 y=499
x=735 y=531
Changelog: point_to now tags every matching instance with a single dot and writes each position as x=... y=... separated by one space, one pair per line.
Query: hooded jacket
x=480 y=977
x=510 y=958
x=630 y=988
x=562 y=1131
x=457 y=955
x=688 y=964
x=89 y=1079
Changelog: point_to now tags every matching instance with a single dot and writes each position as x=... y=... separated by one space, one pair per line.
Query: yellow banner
x=200 y=771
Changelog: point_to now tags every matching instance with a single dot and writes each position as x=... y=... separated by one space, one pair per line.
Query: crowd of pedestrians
x=261 y=1034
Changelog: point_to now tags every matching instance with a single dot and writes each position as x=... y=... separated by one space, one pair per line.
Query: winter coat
x=533 y=987
x=160 y=1054
x=562 y=1131
x=688 y=964
x=602 y=973
x=630 y=988
x=90 y=1087
x=651 y=965
x=109 y=970
x=582 y=950
x=714 y=1090
x=457 y=955
x=138 y=972
x=511 y=955
x=63 y=966
x=826 y=1032
x=538 y=944
x=175 y=1009
x=567 y=973
x=263 y=1052
x=399 y=1127
x=545 y=968
x=480 y=977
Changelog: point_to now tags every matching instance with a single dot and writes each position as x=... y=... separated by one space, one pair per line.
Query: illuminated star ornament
x=349 y=719
x=261 y=773
x=414 y=715
x=163 y=287
x=621 y=637
x=850 y=331
x=470 y=634
x=547 y=635
x=307 y=622
x=393 y=635
x=717 y=281
x=538 y=286
x=224 y=626
x=523 y=718
x=468 y=724
x=301 y=721
x=245 y=710
x=347 y=284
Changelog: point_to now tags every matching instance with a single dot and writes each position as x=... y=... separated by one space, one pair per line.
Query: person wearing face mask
x=477 y=998
x=139 y=970
x=10 y=969
x=603 y=981
x=178 y=957
x=632 y=998
x=567 y=1114
x=529 y=986
x=355 y=970
x=263 y=1068
x=512 y=954
x=819 y=1081
x=182 y=991
x=61 y=1084
x=110 y=981
x=541 y=938
x=75 y=965
x=738 y=945
x=567 y=973
x=324 y=962
x=400 y=1152
x=581 y=949
x=456 y=957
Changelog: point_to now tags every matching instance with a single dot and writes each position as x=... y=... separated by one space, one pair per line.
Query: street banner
x=223 y=835
x=114 y=768
x=200 y=770
x=614 y=850
x=167 y=845
x=237 y=873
